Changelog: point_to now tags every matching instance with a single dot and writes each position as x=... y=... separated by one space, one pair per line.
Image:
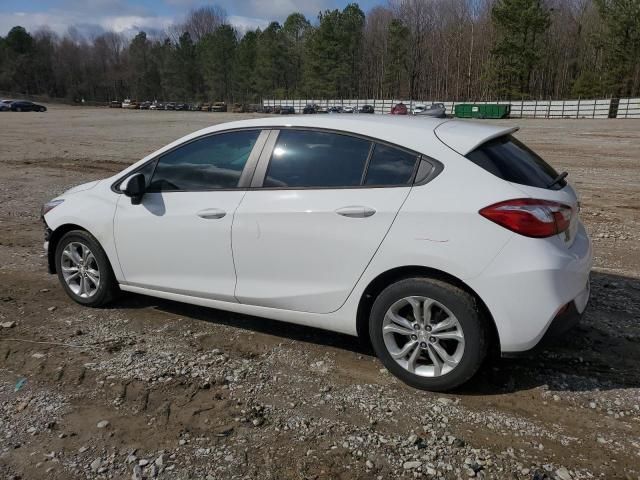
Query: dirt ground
x=151 y=388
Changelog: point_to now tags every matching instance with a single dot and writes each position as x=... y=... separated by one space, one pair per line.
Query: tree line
x=421 y=49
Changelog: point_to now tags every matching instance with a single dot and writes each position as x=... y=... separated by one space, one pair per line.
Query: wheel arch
x=388 y=277
x=54 y=239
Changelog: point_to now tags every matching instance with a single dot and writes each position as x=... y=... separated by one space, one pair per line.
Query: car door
x=178 y=239
x=319 y=207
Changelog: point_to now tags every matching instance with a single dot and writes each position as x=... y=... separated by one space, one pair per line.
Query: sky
x=92 y=17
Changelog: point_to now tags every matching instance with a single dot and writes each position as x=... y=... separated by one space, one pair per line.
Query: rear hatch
x=509 y=159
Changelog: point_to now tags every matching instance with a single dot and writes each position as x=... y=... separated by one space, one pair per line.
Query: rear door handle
x=211 y=213
x=356 y=211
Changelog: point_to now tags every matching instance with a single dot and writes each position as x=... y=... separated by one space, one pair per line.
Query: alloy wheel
x=80 y=270
x=423 y=336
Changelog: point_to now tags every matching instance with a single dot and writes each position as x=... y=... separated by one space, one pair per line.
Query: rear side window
x=304 y=158
x=390 y=166
x=513 y=161
x=208 y=163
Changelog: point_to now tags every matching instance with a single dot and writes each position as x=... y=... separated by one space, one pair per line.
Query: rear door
x=319 y=207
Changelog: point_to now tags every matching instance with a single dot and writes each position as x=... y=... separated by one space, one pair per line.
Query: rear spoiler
x=464 y=137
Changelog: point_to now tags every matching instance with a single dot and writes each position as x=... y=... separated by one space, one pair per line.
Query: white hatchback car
x=432 y=238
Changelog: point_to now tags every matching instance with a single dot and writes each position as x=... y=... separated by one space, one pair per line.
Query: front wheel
x=84 y=270
x=428 y=333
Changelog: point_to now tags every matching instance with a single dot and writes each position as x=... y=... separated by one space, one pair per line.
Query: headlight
x=47 y=207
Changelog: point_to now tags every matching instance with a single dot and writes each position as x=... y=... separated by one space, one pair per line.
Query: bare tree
x=200 y=22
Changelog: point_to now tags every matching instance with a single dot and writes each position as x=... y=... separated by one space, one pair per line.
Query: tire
x=95 y=261
x=18 y=109
x=453 y=312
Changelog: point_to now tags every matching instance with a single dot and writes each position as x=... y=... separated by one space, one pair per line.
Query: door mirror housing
x=135 y=187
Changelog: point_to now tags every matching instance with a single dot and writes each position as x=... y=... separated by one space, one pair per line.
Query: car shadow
x=251 y=323
x=602 y=352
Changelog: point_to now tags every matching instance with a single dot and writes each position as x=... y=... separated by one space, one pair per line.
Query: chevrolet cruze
x=433 y=239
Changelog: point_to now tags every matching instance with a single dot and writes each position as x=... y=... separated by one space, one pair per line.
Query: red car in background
x=399 y=109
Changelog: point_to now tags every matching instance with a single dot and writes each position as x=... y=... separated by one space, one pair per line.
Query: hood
x=83 y=187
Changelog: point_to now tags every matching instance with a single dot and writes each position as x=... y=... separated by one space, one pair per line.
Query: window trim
x=267 y=153
x=246 y=175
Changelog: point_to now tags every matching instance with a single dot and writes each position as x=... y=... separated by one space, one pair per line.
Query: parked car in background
x=287 y=110
x=367 y=109
x=205 y=107
x=238 y=108
x=322 y=109
x=182 y=106
x=348 y=109
x=170 y=106
x=267 y=109
x=335 y=109
x=26 y=106
x=130 y=104
x=310 y=108
x=219 y=107
x=115 y=104
x=399 y=109
x=347 y=224
x=5 y=105
x=436 y=110
x=145 y=105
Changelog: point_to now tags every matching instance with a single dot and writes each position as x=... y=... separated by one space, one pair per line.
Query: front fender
x=92 y=210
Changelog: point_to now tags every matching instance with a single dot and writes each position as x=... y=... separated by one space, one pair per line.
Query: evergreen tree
x=621 y=42
x=519 y=27
x=295 y=29
x=216 y=54
x=245 y=62
x=398 y=50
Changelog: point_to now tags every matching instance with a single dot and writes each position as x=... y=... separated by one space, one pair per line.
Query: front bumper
x=48 y=255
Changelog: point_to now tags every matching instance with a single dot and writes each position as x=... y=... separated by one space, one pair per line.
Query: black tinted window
x=513 y=161
x=212 y=162
x=317 y=159
x=390 y=166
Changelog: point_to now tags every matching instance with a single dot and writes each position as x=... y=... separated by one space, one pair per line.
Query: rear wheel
x=428 y=333
x=84 y=270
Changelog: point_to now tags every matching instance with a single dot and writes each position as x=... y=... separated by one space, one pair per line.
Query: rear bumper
x=559 y=326
x=536 y=286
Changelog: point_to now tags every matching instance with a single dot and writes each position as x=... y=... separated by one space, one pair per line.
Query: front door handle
x=356 y=211
x=211 y=213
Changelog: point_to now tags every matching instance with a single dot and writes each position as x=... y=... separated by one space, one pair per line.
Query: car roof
x=415 y=133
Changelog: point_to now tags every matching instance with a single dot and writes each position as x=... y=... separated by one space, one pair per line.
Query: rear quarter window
x=511 y=160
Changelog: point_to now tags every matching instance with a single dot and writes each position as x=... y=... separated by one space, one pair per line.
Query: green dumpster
x=489 y=110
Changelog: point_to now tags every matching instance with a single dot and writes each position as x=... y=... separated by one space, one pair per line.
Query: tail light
x=530 y=217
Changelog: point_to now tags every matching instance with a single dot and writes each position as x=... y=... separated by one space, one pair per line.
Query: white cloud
x=276 y=9
x=243 y=24
x=87 y=25
x=91 y=17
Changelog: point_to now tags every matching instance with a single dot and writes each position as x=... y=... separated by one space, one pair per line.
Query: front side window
x=209 y=163
x=390 y=166
x=304 y=158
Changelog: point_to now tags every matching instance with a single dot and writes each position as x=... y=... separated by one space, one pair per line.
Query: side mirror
x=135 y=188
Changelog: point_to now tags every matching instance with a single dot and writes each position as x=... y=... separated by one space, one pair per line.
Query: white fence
x=579 y=108
x=629 y=108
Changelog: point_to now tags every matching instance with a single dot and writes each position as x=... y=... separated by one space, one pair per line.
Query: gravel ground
x=156 y=389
